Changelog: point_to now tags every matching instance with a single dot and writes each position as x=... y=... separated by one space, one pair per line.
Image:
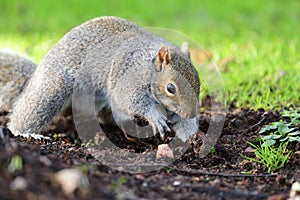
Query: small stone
x=176 y=183
x=19 y=183
x=164 y=151
x=70 y=180
x=140 y=177
x=295 y=191
x=249 y=150
x=296 y=186
x=145 y=184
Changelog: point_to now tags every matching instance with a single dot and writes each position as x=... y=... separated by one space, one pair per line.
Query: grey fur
x=115 y=59
x=15 y=72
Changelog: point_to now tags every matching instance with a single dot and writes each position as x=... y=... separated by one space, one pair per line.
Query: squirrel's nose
x=188 y=110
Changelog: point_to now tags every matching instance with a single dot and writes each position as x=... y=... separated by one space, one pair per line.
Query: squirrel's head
x=177 y=85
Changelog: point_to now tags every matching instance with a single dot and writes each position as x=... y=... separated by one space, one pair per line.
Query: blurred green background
x=255 y=44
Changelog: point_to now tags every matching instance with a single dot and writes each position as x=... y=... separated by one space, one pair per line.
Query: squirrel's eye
x=171 y=89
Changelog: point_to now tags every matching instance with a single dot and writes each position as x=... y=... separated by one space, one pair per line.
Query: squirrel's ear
x=185 y=49
x=162 y=58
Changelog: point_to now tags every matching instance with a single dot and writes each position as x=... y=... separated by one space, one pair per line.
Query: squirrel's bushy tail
x=15 y=71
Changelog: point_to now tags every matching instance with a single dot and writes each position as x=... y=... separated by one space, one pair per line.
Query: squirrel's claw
x=161 y=125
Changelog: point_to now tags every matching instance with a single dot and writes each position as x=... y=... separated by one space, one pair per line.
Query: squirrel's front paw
x=160 y=124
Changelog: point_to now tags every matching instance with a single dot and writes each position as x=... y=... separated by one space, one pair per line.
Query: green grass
x=271 y=150
x=260 y=38
x=270 y=156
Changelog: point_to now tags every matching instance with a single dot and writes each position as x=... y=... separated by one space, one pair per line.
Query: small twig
x=197 y=172
x=254 y=125
x=135 y=165
x=258 y=123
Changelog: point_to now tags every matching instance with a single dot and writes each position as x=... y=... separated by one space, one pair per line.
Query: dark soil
x=222 y=174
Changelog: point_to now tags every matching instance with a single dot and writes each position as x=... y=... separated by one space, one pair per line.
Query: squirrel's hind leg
x=41 y=100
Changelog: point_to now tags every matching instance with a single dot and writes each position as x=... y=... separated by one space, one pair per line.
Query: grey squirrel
x=133 y=73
